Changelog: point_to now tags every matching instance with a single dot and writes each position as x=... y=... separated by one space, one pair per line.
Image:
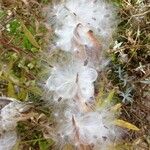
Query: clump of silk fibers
x=83 y=26
x=97 y=15
x=11 y=112
x=92 y=129
x=71 y=80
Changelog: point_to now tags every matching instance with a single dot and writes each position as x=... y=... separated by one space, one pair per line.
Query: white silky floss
x=10 y=114
x=8 y=140
x=84 y=28
x=92 y=128
x=96 y=15
x=67 y=81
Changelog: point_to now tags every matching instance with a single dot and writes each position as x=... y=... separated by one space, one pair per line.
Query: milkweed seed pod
x=92 y=129
x=84 y=27
x=69 y=80
x=11 y=111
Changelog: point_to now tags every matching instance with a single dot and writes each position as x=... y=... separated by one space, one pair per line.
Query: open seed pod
x=11 y=111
